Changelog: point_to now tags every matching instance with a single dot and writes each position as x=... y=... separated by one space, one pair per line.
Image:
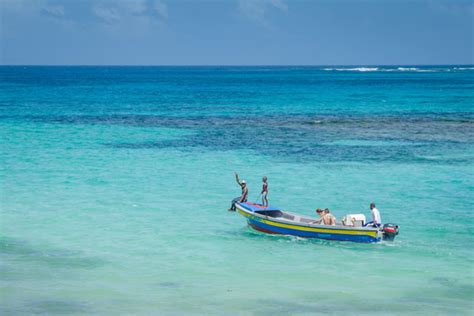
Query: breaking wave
x=354 y=69
x=407 y=69
x=401 y=69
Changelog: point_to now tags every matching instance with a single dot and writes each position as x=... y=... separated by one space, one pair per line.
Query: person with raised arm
x=245 y=192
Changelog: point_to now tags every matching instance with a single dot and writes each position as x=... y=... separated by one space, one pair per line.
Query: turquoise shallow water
x=116 y=182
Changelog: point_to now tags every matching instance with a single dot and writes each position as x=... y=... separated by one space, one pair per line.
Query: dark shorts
x=236 y=200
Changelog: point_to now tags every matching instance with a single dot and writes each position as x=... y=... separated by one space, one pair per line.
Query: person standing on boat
x=245 y=192
x=264 y=191
x=376 y=220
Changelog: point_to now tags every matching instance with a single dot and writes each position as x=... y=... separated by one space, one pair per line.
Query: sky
x=236 y=32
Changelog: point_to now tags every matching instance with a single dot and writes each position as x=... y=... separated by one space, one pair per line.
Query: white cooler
x=355 y=220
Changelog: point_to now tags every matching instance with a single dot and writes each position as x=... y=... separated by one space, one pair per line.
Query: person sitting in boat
x=376 y=220
x=328 y=218
x=245 y=192
x=321 y=215
x=264 y=191
x=325 y=217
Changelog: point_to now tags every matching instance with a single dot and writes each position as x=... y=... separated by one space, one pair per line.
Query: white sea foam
x=412 y=69
x=352 y=69
x=358 y=69
x=407 y=69
x=398 y=69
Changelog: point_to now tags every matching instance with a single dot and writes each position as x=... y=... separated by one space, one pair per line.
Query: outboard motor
x=389 y=231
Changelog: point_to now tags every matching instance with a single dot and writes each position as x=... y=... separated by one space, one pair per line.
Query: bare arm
x=237 y=179
x=318 y=221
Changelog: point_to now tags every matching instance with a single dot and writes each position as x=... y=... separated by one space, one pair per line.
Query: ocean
x=116 y=183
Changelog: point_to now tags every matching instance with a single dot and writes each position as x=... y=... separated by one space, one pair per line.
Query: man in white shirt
x=376 y=220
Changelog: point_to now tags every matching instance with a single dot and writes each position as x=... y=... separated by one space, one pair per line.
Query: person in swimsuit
x=320 y=212
x=245 y=192
x=328 y=218
x=264 y=191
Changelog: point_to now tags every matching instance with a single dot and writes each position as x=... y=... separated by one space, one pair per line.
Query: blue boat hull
x=272 y=226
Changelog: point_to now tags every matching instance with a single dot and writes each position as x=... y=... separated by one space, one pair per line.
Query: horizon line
x=226 y=65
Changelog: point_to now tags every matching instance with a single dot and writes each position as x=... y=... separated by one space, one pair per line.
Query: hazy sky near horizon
x=236 y=32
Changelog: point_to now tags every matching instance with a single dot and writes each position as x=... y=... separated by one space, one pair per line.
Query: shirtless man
x=325 y=218
x=328 y=218
x=245 y=192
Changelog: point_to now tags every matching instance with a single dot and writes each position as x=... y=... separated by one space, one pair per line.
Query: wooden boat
x=272 y=220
